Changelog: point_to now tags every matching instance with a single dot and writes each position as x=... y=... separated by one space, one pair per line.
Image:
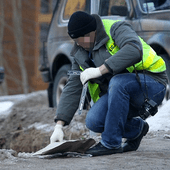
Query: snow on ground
x=6 y=103
x=5 y=107
x=44 y=127
x=161 y=121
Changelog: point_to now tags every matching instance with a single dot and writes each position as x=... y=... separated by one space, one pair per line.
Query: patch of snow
x=5 y=108
x=161 y=121
x=8 y=156
x=25 y=155
x=40 y=126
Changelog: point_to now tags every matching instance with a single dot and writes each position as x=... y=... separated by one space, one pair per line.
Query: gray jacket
x=130 y=53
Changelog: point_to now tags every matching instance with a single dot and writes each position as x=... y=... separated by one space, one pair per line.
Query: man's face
x=87 y=42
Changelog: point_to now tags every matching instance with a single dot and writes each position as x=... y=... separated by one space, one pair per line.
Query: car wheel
x=167 y=61
x=59 y=83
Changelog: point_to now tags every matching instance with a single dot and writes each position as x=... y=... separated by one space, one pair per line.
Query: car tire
x=167 y=61
x=60 y=81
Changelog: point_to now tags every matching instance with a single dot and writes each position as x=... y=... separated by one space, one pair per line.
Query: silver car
x=149 y=18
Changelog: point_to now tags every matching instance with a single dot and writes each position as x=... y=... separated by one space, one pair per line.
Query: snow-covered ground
x=161 y=121
x=6 y=102
x=5 y=107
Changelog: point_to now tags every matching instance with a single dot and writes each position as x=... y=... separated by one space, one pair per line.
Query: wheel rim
x=60 y=87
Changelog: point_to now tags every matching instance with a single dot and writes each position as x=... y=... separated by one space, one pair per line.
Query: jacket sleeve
x=130 y=48
x=70 y=97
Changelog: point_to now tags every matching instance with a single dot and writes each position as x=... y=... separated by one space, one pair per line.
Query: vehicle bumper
x=1 y=74
x=46 y=76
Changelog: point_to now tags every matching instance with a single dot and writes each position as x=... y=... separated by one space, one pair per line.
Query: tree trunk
x=18 y=33
x=3 y=87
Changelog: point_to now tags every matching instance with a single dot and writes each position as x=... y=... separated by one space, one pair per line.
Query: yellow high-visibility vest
x=151 y=61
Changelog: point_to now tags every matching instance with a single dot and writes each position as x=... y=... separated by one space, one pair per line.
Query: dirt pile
x=31 y=122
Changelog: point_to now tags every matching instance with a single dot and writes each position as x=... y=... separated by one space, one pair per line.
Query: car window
x=154 y=5
x=112 y=7
x=76 y=5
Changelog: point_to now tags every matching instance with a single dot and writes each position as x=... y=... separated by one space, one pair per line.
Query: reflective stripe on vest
x=94 y=90
x=151 y=61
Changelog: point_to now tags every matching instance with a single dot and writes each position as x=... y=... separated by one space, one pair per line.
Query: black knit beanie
x=81 y=23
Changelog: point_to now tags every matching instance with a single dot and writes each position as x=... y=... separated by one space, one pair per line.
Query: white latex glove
x=57 y=134
x=89 y=73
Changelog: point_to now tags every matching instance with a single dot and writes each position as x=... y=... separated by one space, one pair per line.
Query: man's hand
x=89 y=73
x=57 y=134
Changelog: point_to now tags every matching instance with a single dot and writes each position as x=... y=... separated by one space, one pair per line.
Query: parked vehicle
x=149 y=18
x=1 y=74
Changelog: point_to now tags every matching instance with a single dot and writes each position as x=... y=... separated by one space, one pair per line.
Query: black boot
x=132 y=145
x=99 y=150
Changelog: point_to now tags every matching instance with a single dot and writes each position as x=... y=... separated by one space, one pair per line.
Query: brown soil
x=18 y=134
